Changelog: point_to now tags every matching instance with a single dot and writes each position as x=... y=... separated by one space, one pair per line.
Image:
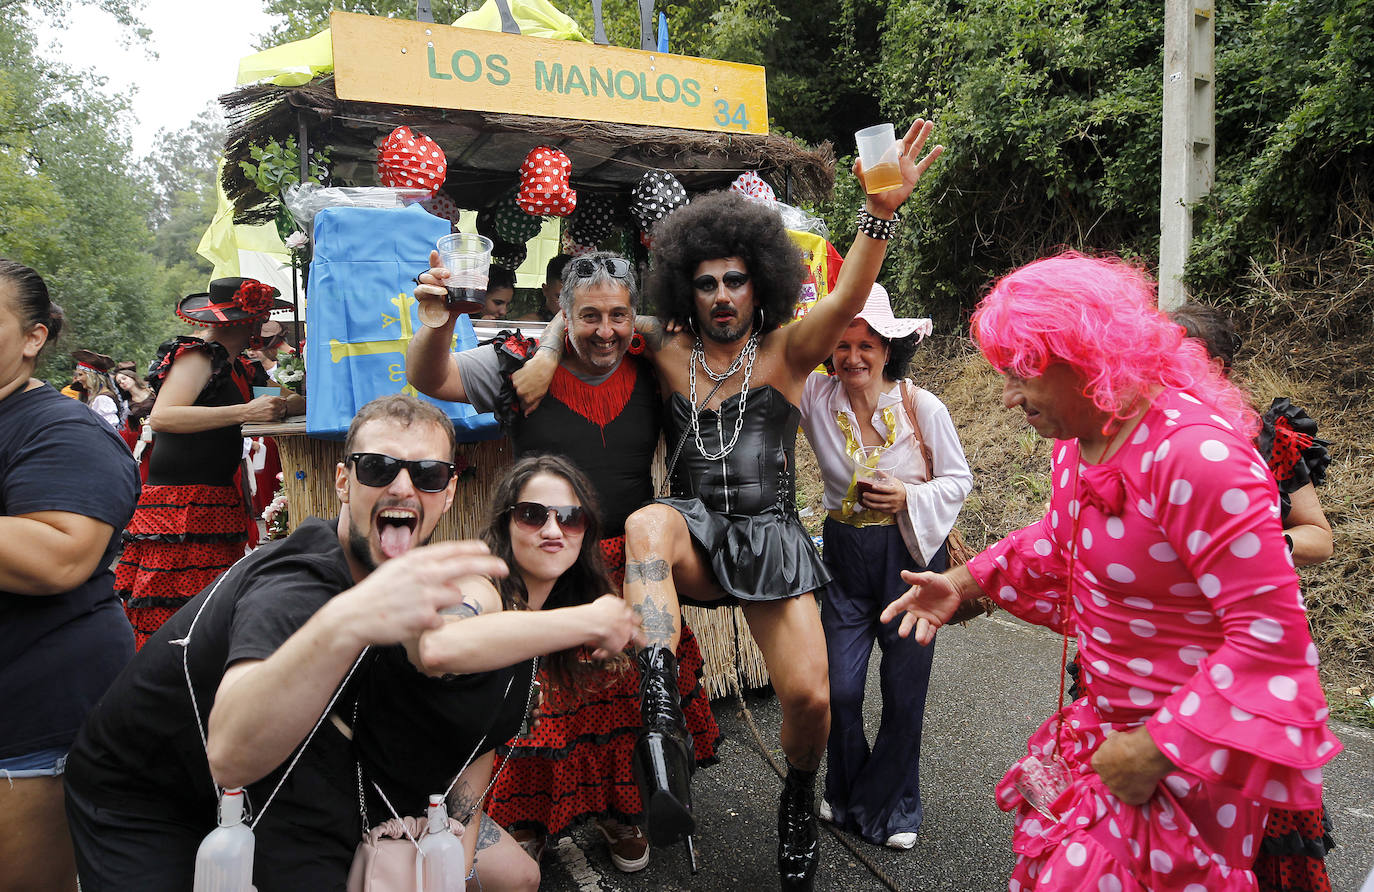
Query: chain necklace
x=746 y=360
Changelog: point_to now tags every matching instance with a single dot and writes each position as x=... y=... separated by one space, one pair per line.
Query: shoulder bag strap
x=909 y=403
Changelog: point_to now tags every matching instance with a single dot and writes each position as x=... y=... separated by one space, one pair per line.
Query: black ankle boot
x=799 y=845
x=663 y=754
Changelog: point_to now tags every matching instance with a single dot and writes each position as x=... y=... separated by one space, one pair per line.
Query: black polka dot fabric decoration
x=655 y=196
x=594 y=220
x=511 y=223
x=544 y=190
x=508 y=255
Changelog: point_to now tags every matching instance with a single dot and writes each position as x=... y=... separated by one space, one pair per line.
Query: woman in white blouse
x=899 y=524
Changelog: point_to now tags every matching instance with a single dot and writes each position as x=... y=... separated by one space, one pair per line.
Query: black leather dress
x=742 y=509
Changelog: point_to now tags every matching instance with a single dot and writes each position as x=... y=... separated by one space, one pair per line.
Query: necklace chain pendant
x=745 y=359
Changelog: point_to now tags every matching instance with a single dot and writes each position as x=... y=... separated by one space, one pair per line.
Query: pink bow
x=1104 y=488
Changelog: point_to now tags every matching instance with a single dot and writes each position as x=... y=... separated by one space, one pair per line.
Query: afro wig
x=718 y=225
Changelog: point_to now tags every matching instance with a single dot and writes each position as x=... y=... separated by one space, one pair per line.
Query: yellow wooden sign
x=418 y=63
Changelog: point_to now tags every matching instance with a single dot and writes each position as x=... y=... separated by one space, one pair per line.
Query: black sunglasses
x=615 y=267
x=376 y=469
x=732 y=280
x=533 y=516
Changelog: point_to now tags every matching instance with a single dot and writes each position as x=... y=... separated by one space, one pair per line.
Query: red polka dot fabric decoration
x=511 y=223
x=544 y=190
x=656 y=195
x=752 y=186
x=411 y=160
x=594 y=220
x=443 y=207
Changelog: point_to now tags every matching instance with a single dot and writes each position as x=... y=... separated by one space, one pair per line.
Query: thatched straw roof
x=485 y=149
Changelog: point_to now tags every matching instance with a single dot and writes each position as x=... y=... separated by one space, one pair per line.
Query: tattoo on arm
x=464 y=610
x=488 y=834
x=462 y=802
x=658 y=621
x=652 y=331
x=655 y=570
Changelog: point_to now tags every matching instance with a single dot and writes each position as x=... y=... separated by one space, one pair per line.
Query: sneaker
x=826 y=813
x=629 y=847
x=902 y=841
x=532 y=841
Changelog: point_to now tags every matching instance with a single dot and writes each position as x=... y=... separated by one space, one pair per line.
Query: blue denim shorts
x=50 y=762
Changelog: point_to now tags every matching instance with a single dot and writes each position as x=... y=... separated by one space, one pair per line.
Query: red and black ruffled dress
x=1295 y=842
x=577 y=763
x=191 y=523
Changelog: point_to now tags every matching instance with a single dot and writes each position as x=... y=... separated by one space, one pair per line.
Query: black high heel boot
x=799 y=845
x=663 y=754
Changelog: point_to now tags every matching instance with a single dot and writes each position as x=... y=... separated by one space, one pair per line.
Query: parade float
x=636 y=128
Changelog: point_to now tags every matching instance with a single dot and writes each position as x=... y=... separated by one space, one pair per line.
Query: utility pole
x=1189 y=140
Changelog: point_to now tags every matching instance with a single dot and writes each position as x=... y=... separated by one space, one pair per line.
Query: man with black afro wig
x=726 y=224
x=727 y=273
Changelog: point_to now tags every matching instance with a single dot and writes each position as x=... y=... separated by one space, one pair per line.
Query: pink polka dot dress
x=1189 y=621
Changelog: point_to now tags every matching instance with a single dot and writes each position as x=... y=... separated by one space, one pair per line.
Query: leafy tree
x=304 y=18
x=1050 y=114
x=185 y=199
x=1295 y=132
x=124 y=12
x=71 y=210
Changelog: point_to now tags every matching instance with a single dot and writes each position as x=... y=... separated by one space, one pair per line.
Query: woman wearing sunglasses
x=543 y=523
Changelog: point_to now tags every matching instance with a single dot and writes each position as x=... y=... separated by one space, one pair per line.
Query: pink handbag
x=388 y=858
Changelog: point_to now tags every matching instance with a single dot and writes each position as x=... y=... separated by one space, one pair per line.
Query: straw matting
x=308 y=473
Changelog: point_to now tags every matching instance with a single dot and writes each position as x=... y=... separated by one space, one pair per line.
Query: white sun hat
x=877 y=312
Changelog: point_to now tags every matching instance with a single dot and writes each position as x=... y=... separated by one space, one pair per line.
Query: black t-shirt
x=58 y=652
x=141 y=750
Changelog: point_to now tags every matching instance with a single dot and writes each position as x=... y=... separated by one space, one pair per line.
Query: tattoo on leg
x=659 y=625
x=488 y=834
x=655 y=570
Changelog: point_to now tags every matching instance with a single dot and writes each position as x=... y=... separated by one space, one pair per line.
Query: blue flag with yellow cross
x=361 y=313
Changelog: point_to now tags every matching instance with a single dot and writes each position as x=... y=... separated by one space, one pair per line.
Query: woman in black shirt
x=67 y=487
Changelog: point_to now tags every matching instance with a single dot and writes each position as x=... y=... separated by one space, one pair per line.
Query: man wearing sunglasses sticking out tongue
x=603 y=412
x=303 y=674
x=726 y=276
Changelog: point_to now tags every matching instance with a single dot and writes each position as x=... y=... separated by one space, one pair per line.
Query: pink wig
x=1098 y=316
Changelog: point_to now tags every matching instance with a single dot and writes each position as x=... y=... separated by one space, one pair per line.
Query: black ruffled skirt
x=761 y=557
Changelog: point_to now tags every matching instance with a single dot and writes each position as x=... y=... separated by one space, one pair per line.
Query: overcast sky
x=198 y=45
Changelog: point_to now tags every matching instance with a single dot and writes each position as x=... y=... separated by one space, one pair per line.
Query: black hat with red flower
x=231 y=301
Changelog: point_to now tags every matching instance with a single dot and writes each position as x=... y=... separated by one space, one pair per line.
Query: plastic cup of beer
x=872 y=464
x=467 y=257
x=879 y=157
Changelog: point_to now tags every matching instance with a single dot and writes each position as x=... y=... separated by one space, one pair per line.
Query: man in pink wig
x=1162 y=553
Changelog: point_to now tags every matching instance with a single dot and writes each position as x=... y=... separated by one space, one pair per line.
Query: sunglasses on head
x=533 y=516
x=732 y=280
x=615 y=267
x=376 y=469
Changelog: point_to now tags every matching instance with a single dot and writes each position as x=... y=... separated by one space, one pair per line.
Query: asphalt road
x=993 y=682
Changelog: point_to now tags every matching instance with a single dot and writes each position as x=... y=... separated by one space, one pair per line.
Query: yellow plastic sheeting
x=536 y=18
x=291 y=64
x=223 y=242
